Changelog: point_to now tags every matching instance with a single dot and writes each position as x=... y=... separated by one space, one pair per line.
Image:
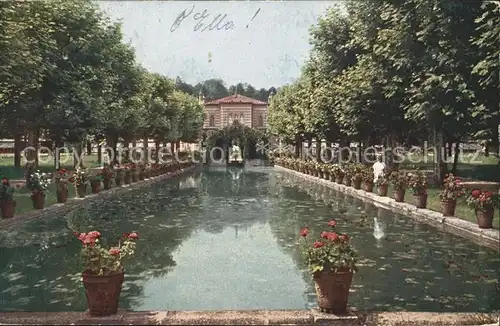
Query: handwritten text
x=204 y=22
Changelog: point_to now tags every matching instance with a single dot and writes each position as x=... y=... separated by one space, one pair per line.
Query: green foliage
x=66 y=70
x=98 y=260
x=386 y=70
x=6 y=190
x=330 y=252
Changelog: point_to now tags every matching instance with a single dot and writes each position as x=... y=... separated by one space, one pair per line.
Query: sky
x=264 y=48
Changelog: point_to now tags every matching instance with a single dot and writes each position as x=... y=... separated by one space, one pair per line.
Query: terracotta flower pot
x=368 y=186
x=95 y=186
x=448 y=207
x=382 y=190
x=399 y=195
x=356 y=183
x=62 y=192
x=484 y=217
x=106 y=183
x=119 y=180
x=338 y=180
x=347 y=181
x=421 y=201
x=38 y=199
x=331 y=177
x=127 y=178
x=103 y=293
x=135 y=176
x=81 y=190
x=8 y=208
x=142 y=175
x=332 y=290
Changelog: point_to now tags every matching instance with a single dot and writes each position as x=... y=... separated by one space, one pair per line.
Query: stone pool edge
x=249 y=317
x=486 y=237
x=74 y=203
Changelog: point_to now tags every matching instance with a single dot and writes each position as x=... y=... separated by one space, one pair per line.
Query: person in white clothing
x=378 y=168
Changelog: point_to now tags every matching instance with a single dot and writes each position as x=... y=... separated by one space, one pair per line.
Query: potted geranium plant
x=332 y=262
x=38 y=184
x=107 y=176
x=451 y=190
x=61 y=179
x=382 y=185
x=368 y=179
x=483 y=203
x=127 y=176
x=357 y=175
x=95 y=182
x=339 y=174
x=7 y=202
x=103 y=272
x=417 y=181
x=80 y=179
x=134 y=170
x=399 y=181
x=120 y=174
x=348 y=172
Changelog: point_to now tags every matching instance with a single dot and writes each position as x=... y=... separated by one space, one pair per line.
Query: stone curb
x=255 y=317
x=486 y=237
x=73 y=203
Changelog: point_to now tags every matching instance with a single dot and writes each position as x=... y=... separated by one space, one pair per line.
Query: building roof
x=237 y=99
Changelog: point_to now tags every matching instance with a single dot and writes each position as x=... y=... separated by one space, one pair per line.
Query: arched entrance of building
x=245 y=138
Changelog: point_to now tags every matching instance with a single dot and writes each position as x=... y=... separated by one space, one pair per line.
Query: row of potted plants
x=361 y=176
x=118 y=175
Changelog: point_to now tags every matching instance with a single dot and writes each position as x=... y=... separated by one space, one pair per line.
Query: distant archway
x=236 y=133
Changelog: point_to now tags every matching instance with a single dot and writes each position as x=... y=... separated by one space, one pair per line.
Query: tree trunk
x=145 y=145
x=77 y=155
x=157 y=151
x=298 y=146
x=17 y=149
x=455 y=157
x=99 y=154
x=318 y=149
x=88 y=144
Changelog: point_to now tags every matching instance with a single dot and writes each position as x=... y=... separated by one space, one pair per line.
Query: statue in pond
x=236 y=153
x=378 y=168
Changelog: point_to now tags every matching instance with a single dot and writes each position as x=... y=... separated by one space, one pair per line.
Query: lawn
x=433 y=203
x=7 y=169
x=476 y=168
x=22 y=195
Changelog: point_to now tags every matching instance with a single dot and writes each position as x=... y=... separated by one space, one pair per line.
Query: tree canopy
x=382 y=72
x=67 y=75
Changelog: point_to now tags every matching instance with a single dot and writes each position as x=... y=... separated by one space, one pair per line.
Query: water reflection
x=210 y=241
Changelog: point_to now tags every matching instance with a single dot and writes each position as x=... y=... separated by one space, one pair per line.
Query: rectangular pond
x=223 y=239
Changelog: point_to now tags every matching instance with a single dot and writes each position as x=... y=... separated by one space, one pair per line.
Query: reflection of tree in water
x=41 y=268
x=413 y=267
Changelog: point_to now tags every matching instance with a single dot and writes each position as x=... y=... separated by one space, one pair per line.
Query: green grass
x=22 y=196
x=24 y=203
x=7 y=169
x=433 y=203
x=478 y=168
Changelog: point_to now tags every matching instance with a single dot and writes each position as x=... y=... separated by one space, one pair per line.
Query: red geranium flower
x=5 y=181
x=133 y=236
x=344 y=237
x=332 y=223
x=476 y=193
x=304 y=232
x=318 y=244
x=114 y=251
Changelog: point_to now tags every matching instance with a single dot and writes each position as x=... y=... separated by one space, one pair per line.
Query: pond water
x=227 y=239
